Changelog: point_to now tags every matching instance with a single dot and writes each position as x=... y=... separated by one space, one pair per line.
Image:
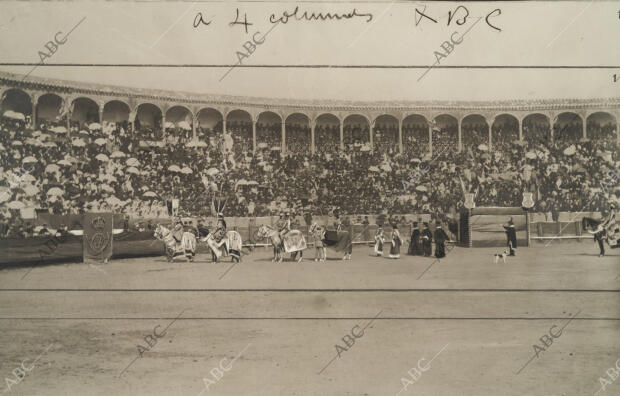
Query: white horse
x=293 y=242
x=187 y=247
x=230 y=245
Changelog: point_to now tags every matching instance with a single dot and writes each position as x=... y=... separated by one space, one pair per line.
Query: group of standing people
x=421 y=243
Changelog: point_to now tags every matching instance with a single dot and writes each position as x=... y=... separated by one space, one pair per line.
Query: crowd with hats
x=112 y=167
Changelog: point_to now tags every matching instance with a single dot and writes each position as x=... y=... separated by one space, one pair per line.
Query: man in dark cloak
x=415 y=249
x=600 y=237
x=440 y=241
x=427 y=241
x=511 y=237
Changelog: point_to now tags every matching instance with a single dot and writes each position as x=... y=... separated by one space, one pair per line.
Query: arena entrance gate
x=482 y=227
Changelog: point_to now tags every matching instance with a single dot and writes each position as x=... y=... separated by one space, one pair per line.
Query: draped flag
x=97 y=240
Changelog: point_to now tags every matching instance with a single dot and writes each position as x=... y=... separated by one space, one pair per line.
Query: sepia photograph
x=339 y=198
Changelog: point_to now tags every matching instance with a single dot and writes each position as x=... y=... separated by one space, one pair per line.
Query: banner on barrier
x=97 y=236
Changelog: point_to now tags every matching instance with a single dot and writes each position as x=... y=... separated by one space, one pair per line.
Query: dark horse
x=339 y=240
x=609 y=231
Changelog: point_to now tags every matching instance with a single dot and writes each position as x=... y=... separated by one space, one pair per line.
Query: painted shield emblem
x=98 y=241
x=469 y=201
x=528 y=201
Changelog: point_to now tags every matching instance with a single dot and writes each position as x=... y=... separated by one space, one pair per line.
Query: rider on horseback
x=284 y=225
x=177 y=231
x=220 y=228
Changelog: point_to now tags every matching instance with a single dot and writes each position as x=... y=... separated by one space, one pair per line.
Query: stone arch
x=415 y=135
x=445 y=133
x=385 y=133
x=327 y=132
x=297 y=134
x=356 y=131
x=179 y=122
x=504 y=131
x=115 y=111
x=84 y=112
x=269 y=130
x=568 y=127
x=239 y=125
x=536 y=128
x=49 y=109
x=475 y=131
x=148 y=122
x=602 y=125
x=209 y=123
x=17 y=100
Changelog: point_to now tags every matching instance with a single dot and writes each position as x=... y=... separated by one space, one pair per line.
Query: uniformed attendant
x=427 y=241
x=440 y=241
x=511 y=237
x=414 y=245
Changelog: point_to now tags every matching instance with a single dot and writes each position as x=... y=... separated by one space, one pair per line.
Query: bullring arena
x=544 y=322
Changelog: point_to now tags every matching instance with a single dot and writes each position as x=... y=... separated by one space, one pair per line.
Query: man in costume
x=599 y=237
x=427 y=241
x=607 y=228
x=414 y=245
x=379 y=241
x=440 y=241
x=511 y=237
x=337 y=223
x=220 y=228
x=284 y=226
x=177 y=231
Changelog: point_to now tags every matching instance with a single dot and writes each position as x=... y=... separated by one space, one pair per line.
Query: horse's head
x=588 y=223
x=263 y=232
x=159 y=231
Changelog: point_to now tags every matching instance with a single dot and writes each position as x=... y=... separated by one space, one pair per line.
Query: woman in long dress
x=396 y=242
x=379 y=241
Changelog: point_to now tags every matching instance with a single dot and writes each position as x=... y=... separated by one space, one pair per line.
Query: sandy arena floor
x=77 y=327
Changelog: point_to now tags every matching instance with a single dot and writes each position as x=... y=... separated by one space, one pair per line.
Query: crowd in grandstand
x=123 y=168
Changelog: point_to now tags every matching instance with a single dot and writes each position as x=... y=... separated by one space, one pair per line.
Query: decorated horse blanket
x=230 y=245
x=339 y=240
x=294 y=241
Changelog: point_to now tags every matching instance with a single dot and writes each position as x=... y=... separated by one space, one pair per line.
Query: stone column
x=163 y=125
x=194 y=122
x=552 y=120
x=254 y=136
x=312 y=142
x=584 y=134
x=460 y=132
x=34 y=99
x=520 y=121
x=490 y=121
x=283 y=137
x=400 y=135
x=342 y=135
x=370 y=129
x=430 y=138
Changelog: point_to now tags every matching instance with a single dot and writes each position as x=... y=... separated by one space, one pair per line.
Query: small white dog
x=502 y=256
